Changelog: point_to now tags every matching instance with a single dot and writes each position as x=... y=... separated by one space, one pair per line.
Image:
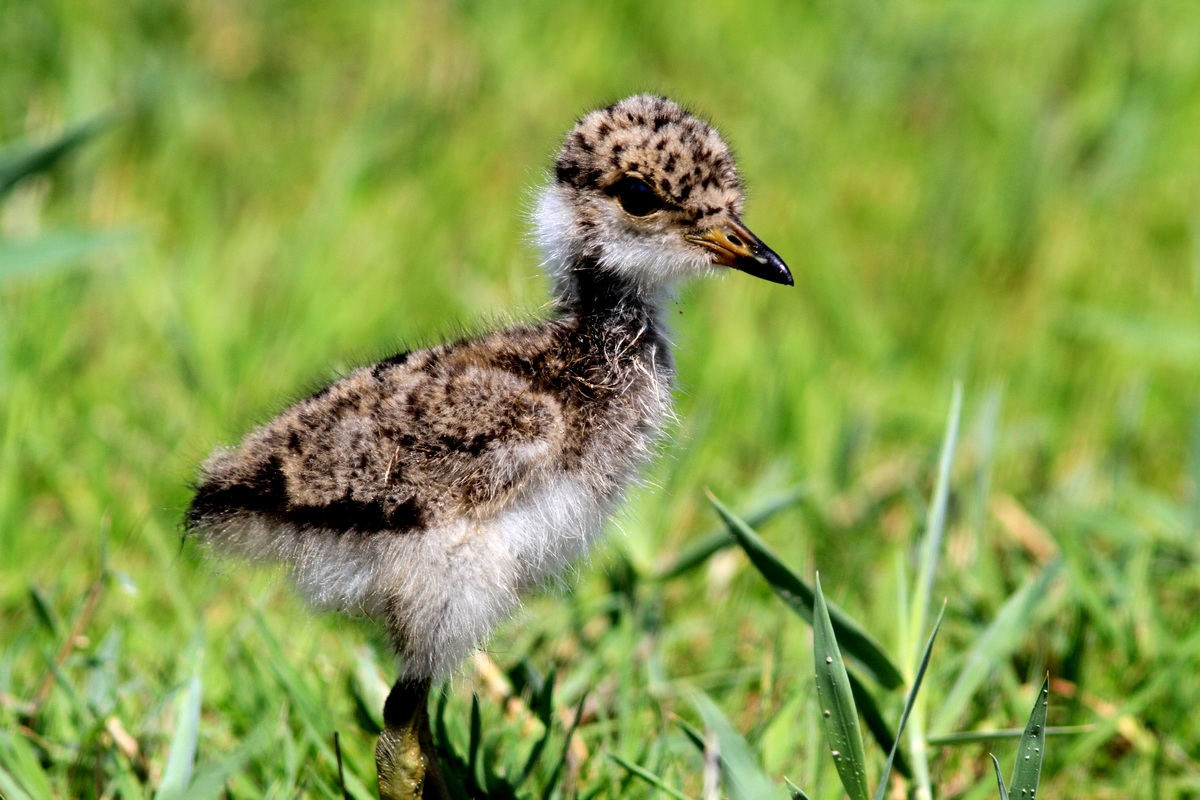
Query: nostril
x=736 y=240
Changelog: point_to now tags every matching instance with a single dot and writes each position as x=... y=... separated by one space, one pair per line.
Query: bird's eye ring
x=635 y=196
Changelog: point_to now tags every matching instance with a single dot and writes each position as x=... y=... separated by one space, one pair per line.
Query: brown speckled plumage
x=431 y=489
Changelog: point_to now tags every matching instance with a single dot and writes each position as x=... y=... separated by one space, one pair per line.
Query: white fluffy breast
x=551 y=527
x=452 y=584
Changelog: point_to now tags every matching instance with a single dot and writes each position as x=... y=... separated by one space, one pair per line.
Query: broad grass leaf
x=1028 y=769
x=715 y=541
x=839 y=715
x=793 y=590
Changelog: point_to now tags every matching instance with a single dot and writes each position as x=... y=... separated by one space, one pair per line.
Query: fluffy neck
x=594 y=295
x=581 y=285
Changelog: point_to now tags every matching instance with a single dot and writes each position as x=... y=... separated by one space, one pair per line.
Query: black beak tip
x=786 y=277
x=766 y=265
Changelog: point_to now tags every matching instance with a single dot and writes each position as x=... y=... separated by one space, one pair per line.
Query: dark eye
x=635 y=196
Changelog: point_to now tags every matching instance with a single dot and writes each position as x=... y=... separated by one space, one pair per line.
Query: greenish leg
x=404 y=757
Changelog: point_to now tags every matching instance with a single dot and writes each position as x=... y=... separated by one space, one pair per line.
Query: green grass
x=994 y=193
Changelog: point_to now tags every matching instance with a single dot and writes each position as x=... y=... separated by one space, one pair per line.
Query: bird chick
x=431 y=489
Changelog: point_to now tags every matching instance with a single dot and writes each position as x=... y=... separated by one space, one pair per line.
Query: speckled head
x=648 y=192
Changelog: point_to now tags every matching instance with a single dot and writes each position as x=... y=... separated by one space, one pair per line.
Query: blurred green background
x=1003 y=194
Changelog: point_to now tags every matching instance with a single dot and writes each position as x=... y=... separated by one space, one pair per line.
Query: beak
x=733 y=245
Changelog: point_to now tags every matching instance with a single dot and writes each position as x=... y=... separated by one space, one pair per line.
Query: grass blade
x=562 y=758
x=918 y=620
x=181 y=758
x=369 y=688
x=475 y=741
x=793 y=590
x=1028 y=769
x=648 y=776
x=28 y=777
x=9 y=788
x=999 y=779
x=44 y=611
x=985 y=436
x=744 y=779
x=20 y=161
x=694 y=736
x=872 y=717
x=210 y=779
x=909 y=702
x=56 y=251
x=718 y=540
x=839 y=715
x=994 y=645
x=797 y=792
x=542 y=703
x=960 y=738
x=935 y=524
x=303 y=697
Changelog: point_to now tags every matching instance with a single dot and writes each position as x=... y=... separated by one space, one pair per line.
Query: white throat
x=650 y=263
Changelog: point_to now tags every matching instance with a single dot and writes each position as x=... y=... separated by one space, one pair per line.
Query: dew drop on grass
x=826 y=712
x=828 y=659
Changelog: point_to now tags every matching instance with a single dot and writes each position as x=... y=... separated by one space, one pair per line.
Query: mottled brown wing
x=393 y=447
